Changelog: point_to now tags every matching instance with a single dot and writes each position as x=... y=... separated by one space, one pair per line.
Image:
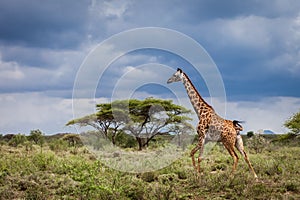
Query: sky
x=46 y=50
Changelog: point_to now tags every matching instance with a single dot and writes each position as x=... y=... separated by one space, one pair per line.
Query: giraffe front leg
x=199 y=148
x=201 y=133
x=192 y=154
x=200 y=154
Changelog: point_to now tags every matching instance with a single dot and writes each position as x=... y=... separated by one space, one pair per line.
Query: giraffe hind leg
x=234 y=157
x=230 y=149
x=239 y=145
x=200 y=157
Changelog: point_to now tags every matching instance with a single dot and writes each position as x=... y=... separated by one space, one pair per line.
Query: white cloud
x=10 y=71
x=22 y=112
x=247 y=31
x=111 y=9
x=136 y=77
x=287 y=40
x=253 y=32
x=267 y=113
x=114 y=9
x=270 y=43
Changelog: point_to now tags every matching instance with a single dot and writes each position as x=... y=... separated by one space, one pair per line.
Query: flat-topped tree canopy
x=142 y=119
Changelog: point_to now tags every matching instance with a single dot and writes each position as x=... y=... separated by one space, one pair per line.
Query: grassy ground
x=73 y=173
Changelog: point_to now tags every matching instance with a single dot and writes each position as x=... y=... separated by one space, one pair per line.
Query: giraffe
x=211 y=125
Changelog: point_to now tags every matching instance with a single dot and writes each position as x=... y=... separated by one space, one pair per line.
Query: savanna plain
x=60 y=169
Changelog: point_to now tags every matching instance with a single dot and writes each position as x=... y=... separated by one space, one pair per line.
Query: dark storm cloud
x=250 y=41
x=196 y=11
x=54 y=24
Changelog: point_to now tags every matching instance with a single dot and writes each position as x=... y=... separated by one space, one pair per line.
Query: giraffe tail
x=237 y=125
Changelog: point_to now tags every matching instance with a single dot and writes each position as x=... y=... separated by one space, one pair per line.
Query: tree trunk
x=179 y=140
x=140 y=142
x=113 y=139
x=148 y=139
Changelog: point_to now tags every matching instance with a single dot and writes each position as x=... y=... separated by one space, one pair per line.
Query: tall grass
x=62 y=174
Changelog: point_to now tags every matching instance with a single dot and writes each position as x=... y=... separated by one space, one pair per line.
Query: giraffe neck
x=199 y=104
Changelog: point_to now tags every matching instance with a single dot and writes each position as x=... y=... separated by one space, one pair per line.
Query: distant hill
x=268 y=132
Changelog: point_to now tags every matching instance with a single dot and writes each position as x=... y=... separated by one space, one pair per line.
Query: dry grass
x=76 y=174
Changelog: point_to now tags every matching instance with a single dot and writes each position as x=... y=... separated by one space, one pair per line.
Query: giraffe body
x=212 y=126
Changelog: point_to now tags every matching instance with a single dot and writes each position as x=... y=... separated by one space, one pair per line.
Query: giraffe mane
x=195 y=89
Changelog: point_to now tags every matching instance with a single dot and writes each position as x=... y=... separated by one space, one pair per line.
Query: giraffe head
x=177 y=76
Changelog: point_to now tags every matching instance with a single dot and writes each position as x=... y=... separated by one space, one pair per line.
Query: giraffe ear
x=178 y=69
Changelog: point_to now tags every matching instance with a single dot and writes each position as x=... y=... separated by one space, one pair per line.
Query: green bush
x=134 y=190
x=73 y=140
x=28 y=146
x=284 y=138
x=292 y=186
x=17 y=140
x=149 y=176
x=257 y=143
x=250 y=134
x=58 y=145
x=43 y=161
x=37 y=137
x=125 y=141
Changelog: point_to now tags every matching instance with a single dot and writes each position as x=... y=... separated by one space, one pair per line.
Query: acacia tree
x=103 y=121
x=151 y=117
x=183 y=132
x=142 y=119
x=293 y=123
x=37 y=137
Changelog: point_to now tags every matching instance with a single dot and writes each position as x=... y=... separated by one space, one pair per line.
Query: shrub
x=43 y=161
x=17 y=140
x=73 y=140
x=250 y=134
x=135 y=190
x=37 y=137
x=285 y=138
x=182 y=174
x=28 y=146
x=125 y=141
x=7 y=137
x=148 y=176
x=167 y=178
x=257 y=143
x=58 y=145
x=291 y=186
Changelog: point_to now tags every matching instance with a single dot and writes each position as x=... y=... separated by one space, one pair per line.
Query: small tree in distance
x=17 y=140
x=183 y=132
x=37 y=137
x=293 y=123
x=103 y=121
x=250 y=134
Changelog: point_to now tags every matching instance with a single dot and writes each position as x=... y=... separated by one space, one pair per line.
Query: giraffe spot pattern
x=210 y=124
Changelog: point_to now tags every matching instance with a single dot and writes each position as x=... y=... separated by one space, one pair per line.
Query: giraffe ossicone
x=212 y=125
